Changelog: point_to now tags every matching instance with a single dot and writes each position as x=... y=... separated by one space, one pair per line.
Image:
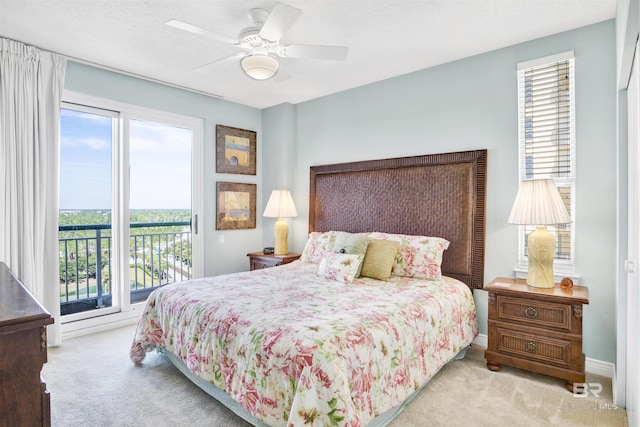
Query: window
x=547 y=148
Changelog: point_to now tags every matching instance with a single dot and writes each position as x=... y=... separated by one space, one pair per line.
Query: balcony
x=160 y=253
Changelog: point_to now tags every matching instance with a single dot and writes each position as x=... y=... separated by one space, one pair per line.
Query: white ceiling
x=386 y=38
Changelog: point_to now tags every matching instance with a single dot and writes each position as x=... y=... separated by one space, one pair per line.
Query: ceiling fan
x=261 y=41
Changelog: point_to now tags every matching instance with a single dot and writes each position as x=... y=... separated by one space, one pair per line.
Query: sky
x=160 y=163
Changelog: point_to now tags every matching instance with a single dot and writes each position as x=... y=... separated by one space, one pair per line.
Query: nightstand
x=258 y=260
x=537 y=329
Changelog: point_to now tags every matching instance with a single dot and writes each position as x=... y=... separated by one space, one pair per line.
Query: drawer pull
x=530 y=312
x=531 y=346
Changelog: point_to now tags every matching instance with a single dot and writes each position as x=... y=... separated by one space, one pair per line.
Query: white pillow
x=340 y=267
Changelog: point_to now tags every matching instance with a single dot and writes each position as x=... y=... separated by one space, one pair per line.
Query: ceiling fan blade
x=206 y=67
x=279 y=21
x=337 y=53
x=199 y=31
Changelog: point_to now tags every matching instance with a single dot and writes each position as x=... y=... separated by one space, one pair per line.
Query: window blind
x=546 y=121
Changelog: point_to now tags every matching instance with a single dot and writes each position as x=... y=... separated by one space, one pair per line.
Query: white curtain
x=31 y=83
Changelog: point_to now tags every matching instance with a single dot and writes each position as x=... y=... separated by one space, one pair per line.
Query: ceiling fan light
x=259 y=67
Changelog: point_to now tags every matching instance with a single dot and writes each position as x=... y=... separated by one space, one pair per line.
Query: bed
x=379 y=301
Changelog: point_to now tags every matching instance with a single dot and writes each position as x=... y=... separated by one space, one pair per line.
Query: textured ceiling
x=386 y=38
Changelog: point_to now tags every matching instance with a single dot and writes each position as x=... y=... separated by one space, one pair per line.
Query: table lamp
x=280 y=205
x=539 y=203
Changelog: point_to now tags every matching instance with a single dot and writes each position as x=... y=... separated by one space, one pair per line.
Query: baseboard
x=481 y=340
x=593 y=366
x=599 y=367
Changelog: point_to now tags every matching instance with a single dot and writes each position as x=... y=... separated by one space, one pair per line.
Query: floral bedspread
x=296 y=349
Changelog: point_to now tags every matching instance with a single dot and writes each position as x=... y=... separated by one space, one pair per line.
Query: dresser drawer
x=547 y=350
x=541 y=314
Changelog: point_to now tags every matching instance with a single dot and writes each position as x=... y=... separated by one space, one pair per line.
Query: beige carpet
x=93 y=383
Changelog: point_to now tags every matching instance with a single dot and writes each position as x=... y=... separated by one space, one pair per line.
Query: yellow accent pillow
x=379 y=259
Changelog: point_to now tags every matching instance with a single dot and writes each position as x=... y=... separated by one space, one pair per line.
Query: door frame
x=632 y=297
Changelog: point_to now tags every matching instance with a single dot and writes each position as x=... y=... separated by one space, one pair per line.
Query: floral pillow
x=340 y=267
x=419 y=257
x=317 y=245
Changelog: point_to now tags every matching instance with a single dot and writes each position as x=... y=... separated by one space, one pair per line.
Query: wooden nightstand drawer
x=259 y=263
x=259 y=260
x=534 y=347
x=538 y=313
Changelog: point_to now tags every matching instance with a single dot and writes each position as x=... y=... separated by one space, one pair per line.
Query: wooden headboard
x=439 y=195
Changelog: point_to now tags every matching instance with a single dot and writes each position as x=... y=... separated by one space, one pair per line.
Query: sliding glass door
x=127 y=223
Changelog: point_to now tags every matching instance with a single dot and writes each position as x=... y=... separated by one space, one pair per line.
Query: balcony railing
x=160 y=256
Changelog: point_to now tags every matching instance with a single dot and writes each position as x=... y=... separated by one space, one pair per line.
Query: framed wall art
x=235 y=206
x=235 y=150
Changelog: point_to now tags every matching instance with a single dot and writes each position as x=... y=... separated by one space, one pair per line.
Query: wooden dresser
x=24 y=398
x=537 y=329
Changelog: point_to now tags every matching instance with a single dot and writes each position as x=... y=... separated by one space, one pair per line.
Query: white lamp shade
x=538 y=202
x=259 y=67
x=280 y=205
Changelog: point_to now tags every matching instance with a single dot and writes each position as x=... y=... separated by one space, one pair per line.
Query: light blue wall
x=279 y=128
x=463 y=105
x=218 y=258
x=472 y=104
